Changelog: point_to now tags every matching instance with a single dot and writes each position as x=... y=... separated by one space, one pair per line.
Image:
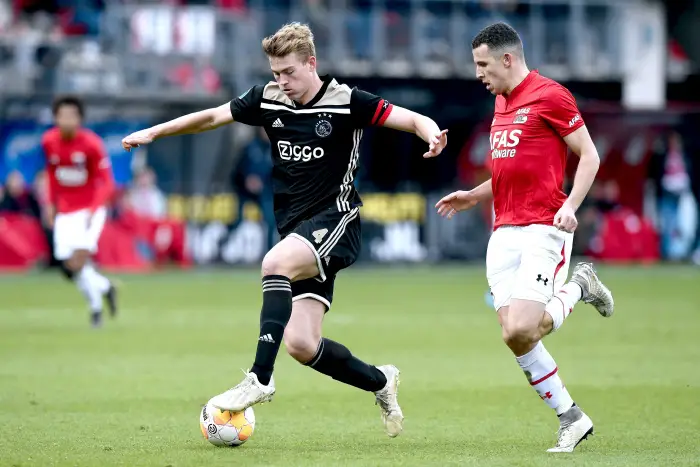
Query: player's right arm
x=244 y=109
x=463 y=200
x=49 y=211
x=370 y=110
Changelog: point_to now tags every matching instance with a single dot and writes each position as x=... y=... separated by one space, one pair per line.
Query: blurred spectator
x=252 y=180
x=693 y=156
x=25 y=8
x=145 y=198
x=669 y=171
x=6 y=15
x=317 y=12
x=18 y=198
x=609 y=197
x=199 y=76
x=80 y=17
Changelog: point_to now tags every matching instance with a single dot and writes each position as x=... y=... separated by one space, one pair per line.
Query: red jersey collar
x=523 y=84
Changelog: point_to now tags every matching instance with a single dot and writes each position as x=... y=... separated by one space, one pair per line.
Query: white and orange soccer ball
x=226 y=428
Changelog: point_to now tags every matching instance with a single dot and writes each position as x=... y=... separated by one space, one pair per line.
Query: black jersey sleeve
x=366 y=109
x=246 y=107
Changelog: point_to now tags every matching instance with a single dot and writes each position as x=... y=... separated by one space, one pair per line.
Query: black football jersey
x=315 y=147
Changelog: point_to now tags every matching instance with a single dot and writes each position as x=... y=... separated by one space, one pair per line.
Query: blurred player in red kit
x=80 y=184
x=536 y=121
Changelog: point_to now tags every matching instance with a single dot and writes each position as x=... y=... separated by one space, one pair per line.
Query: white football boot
x=247 y=393
x=575 y=426
x=594 y=292
x=387 y=400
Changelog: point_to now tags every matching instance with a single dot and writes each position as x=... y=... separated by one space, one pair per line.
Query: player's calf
x=91 y=284
x=288 y=261
x=303 y=340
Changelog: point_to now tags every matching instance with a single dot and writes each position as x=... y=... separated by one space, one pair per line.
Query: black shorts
x=335 y=238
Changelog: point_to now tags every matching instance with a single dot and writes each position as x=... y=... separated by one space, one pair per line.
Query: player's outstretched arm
x=424 y=127
x=581 y=144
x=463 y=200
x=196 y=122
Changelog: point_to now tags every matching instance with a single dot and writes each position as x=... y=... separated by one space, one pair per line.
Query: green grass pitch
x=130 y=394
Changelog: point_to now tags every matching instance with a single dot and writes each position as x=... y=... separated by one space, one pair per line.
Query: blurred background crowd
x=632 y=65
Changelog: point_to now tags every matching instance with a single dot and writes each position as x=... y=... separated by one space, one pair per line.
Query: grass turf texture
x=130 y=394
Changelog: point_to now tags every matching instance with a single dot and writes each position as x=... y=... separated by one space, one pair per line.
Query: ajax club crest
x=323 y=127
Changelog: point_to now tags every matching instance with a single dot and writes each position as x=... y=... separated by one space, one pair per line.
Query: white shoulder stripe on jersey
x=313 y=110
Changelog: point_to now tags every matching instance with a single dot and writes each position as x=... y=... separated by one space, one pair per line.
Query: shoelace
x=564 y=433
x=246 y=383
x=383 y=400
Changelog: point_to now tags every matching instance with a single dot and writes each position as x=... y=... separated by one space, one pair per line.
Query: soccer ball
x=226 y=428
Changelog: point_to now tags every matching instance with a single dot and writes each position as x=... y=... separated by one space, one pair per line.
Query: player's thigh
x=314 y=289
x=543 y=258
x=502 y=314
x=334 y=238
x=291 y=258
x=94 y=230
x=502 y=261
x=69 y=233
x=561 y=272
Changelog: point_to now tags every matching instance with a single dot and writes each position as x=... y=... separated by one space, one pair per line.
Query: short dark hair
x=498 y=36
x=72 y=101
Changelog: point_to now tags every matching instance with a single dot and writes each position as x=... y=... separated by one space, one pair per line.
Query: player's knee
x=519 y=332
x=78 y=260
x=301 y=346
x=72 y=265
x=275 y=264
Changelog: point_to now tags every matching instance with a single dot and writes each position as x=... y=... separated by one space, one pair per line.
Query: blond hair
x=291 y=38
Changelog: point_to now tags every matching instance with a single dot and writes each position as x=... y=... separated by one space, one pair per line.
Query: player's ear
x=507 y=60
x=312 y=63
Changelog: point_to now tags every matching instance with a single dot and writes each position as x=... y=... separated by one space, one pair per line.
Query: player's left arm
x=373 y=110
x=560 y=111
x=581 y=144
x=100 y=167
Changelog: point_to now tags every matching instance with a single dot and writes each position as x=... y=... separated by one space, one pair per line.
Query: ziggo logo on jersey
x=290 y=152
x=502 y=142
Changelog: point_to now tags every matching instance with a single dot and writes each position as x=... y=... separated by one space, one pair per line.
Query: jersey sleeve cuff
x=568 y=131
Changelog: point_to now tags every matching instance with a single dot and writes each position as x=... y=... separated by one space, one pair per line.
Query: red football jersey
x=79 y=170
x=528 y=153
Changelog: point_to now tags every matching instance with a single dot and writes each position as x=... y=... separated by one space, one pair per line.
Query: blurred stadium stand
x=631 y=65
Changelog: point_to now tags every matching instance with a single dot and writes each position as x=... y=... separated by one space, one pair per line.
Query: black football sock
x=335 y=360
x=276 y=311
